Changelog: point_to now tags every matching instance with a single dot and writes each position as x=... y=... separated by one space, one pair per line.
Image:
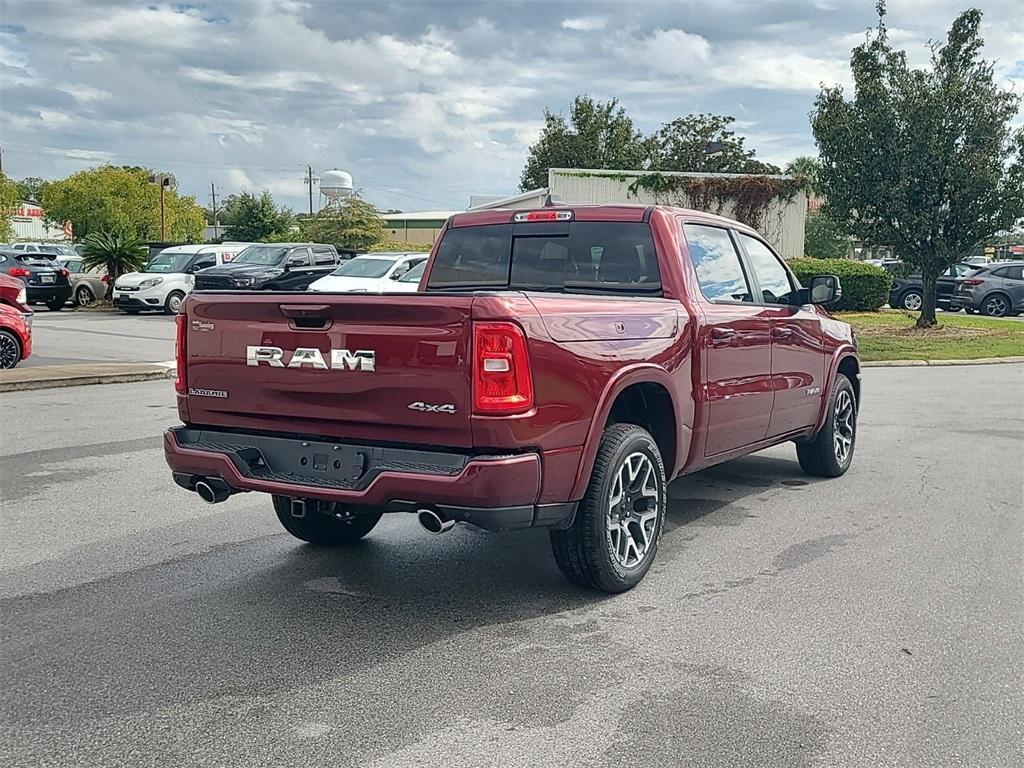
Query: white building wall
x=782 y=225
x=27 y=222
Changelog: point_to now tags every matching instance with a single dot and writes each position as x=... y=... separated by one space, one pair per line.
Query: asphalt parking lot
x=871 y=620
x=66 y=337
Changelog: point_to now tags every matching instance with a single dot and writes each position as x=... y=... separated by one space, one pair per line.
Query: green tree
x=823 y=238
x=923 y=160
x=255 y=218
x=705 y=143
x=352 y=224
x=596 y=135
x=808 y=171
x=31 y=188
x=8 y=202
x=121 y=199
x=116 y=250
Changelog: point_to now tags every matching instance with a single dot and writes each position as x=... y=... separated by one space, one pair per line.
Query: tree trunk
x=927 y=318
x=112 y=276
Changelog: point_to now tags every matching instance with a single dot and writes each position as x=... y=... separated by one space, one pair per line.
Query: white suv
x=169 y=276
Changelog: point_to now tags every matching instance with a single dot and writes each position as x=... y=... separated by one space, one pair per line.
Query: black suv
x=908 y=292
x=271 y=267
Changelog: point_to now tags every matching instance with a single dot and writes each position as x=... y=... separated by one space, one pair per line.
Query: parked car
x=370 y=273
x=410 y=281
x=46 y=282
x=271 y=267
x=908 y=292
x=56 y=249
x=557 y=369
x=13 y=293
x=997 y=290
x=87 y=285
x=15 y=336
x=169 y=277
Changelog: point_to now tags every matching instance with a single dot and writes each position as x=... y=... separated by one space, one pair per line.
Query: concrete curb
x=48 y=376
x=907 y=363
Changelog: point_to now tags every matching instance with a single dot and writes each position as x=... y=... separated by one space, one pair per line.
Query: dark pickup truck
x=557 y=368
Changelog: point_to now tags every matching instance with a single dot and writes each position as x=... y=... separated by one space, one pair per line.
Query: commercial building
x=29 y=224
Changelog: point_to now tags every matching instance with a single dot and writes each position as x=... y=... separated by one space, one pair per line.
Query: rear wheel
x=10 y=349
x=912 y=300
x=83 y=296
x=614 y=538
x=996 y=305
x=324 y=523
x=830 y=452
x=173 y=302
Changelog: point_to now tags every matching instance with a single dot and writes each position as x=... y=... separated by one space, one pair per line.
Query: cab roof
x=618 y=212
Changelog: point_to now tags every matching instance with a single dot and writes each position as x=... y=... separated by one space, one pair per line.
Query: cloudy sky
x=423 y=102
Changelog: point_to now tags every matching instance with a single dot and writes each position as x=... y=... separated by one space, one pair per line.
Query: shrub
x=398 y=245
x=865 y=286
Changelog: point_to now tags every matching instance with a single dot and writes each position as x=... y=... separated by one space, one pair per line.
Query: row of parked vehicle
x=995 y=289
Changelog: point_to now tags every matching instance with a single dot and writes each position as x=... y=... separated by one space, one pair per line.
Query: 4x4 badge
x=428 y=408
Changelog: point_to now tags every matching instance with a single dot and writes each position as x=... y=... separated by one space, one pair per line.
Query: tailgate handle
x=307 y=315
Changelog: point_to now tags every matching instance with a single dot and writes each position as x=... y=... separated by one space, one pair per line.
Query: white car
x=63 y=251
x=372 y=273
x=169 y=276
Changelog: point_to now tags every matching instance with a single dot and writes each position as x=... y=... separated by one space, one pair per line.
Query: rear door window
x=323 y=255
x=572 y=257
x=717 y=264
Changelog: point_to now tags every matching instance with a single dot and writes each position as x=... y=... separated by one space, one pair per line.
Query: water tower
x=335 y=185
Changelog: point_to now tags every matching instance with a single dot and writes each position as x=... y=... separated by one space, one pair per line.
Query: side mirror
x=295 y=261
x=824 y=289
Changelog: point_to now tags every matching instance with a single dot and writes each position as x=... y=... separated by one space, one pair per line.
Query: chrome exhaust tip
x=212 y=491
x=433 y=522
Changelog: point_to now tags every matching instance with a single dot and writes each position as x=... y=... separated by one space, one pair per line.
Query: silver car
x=87 y=285
x=996 y=290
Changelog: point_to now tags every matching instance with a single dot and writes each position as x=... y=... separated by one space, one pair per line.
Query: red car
x=557 y=368
x=15 y=336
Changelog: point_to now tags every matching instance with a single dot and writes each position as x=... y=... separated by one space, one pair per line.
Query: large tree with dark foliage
x=596 y=135
x=705 y=144
x=923 y=160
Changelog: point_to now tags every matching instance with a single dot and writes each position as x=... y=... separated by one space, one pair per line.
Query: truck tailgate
x=382 y=368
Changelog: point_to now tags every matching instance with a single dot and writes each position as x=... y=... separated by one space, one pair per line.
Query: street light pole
x=163 y=218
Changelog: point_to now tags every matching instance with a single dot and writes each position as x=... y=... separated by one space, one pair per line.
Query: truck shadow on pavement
x=271 y=614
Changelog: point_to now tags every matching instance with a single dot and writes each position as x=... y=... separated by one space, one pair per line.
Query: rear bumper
x=494 y=492
x=47 y=293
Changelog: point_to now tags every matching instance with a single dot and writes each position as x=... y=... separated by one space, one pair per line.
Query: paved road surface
x=872 y=620
x=66 y=337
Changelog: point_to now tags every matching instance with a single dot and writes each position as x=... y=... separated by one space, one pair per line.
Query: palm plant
x=117 y=251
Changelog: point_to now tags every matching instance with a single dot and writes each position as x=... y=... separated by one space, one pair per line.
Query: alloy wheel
x=912 y=301
x=633 y=510
x=174 y=303
x=843 y=426
x=8 y=351
x=84 y=297
x=996 y=306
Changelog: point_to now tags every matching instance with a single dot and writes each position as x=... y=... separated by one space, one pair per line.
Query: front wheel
x=10 y=349
x=329 y=525
x=614 y=538
x=830 y=452
x=173 y=302
x=83 y=296
x=912 y=300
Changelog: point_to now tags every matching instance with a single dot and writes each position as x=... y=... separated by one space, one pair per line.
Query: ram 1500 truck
x=557 y=368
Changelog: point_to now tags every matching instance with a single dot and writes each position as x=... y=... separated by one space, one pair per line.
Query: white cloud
x=160 y=26
x=585 y=23
x=673 y=52
x=767 y=67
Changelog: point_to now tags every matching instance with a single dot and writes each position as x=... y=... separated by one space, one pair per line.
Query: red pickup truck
x=557 y=368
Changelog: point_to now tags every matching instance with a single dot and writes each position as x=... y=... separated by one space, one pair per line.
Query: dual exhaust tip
x=213 y=490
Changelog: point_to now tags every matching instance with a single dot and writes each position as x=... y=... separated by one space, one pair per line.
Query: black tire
x=83 y=296
x=819 y=455
x=321 y=526
x=56 y=306
x=586 y=553
x=912 y=300
x=10 y=349
x=173 y=302
x=996 y=305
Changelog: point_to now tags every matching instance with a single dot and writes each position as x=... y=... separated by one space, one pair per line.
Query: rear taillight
x=969 y=281
x=64 y=271
x=105 y=279
x=502 y=383
x=18 y=272
x=543 y=216
x=180 y=383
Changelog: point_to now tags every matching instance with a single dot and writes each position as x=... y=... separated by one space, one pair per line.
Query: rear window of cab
x=570 y=257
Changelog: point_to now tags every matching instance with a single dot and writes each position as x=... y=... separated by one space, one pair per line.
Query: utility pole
x=216 y=223
x=1 y=158
x=163 y=180
x=309 y=179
